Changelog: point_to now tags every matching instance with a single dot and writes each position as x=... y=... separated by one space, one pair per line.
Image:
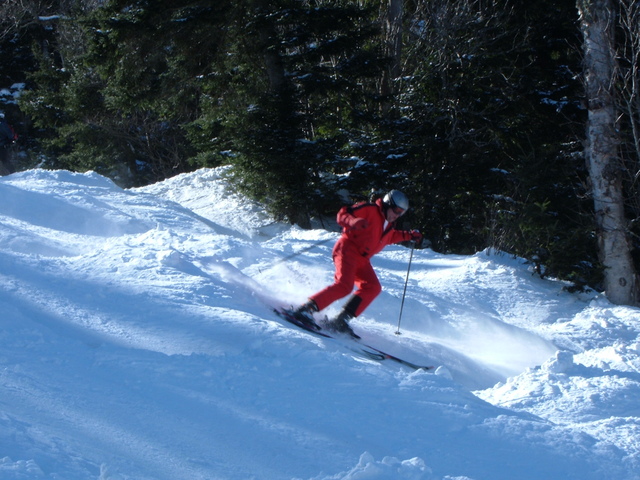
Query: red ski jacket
x=374 y=237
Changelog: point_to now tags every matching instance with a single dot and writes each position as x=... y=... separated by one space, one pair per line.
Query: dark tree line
x=477 y=110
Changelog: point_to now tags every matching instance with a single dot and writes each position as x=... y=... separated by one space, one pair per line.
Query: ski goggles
x=397 y=210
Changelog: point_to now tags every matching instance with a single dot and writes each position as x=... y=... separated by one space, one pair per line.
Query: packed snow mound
x=137 y=341
x=208 y=194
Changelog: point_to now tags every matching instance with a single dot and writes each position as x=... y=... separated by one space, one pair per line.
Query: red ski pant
x=351 y=269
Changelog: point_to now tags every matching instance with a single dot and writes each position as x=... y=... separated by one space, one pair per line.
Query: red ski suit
x=352 y=254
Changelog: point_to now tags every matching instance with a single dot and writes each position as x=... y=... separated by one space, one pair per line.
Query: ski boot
x=305 y=313
x=340 y=325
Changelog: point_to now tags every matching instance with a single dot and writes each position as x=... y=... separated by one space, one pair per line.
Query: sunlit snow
x=137 y=342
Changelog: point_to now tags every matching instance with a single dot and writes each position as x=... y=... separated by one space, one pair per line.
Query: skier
x=7 y=138
x=7 y=135
x=367 y=228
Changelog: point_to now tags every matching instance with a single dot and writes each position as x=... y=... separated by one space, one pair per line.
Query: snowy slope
x=136 y=342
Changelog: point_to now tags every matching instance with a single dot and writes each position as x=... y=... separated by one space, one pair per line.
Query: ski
x=388 y=356
x=364 y=349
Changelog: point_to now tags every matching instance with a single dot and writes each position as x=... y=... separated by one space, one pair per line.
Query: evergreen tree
x=27 y=29
x=486 y=116
x=125 y=90
x=291 y=130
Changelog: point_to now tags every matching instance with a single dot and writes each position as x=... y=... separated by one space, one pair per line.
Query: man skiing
x=7 y=138
x=366 y=229
x=7 y=135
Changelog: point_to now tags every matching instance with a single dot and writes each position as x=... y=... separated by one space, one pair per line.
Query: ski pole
x=299 y=252
x=304 y=250
x=406 y=281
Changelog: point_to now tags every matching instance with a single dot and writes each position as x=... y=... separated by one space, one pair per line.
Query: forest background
x=481 y=111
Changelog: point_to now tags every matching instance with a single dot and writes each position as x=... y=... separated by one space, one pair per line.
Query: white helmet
x=395 y=198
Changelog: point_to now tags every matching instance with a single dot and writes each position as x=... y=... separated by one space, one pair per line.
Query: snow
x=137 y=342
x=10 y=95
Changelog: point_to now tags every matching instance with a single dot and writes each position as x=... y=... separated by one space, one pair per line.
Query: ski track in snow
x=137 y=342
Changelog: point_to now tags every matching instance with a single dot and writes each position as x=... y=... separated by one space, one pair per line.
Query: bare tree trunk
x=394 y=35
x=603 y=160
x=393 y=40
x=272 y=59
